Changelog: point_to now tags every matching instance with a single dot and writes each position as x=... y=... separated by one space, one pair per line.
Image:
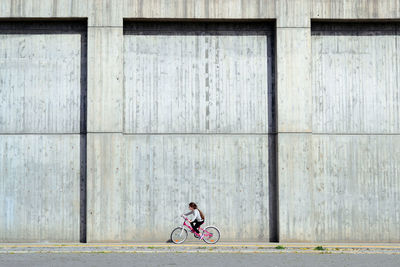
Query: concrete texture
x=356 y=189
x=348 y=191
x=42 y=107
x=347 y=9
x=200 y=9
x=222 y=82
x=353 y=177
x=355 y=78
x=105 y=13
x=40 y=89
x=43 y=8
x=226 y=175
x=294 y=98
x=293 y=13
x=300 y=125
x=40 y=188
x=105 y=174
x=295 y=175
x=105 y=79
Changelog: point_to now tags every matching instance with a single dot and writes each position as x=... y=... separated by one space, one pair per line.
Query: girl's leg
x=193 y=224
x=197 y=225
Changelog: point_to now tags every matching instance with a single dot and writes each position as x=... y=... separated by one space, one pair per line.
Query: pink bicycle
x=210 y=234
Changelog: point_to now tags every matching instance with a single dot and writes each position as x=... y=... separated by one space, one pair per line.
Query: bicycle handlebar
x=185 y=217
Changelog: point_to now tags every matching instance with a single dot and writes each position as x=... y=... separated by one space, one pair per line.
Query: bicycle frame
x=204 y=234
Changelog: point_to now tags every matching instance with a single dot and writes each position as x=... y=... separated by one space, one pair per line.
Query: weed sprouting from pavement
x=280 y=247
x=319 y=248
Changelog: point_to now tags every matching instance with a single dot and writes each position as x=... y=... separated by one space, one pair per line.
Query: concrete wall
x=221 y=79
x=158 y=175
x=205 y=111
x=334 y=117
x=41 y=83
x=351 y=172
x=41 y=108
x=40 y=188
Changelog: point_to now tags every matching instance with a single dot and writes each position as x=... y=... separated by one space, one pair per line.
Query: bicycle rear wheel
x=211 y=235
x=179 y=235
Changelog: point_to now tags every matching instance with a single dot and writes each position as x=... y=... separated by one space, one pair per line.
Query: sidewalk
x=201 y=247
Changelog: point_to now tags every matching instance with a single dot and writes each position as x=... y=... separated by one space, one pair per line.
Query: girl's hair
x=194 y=206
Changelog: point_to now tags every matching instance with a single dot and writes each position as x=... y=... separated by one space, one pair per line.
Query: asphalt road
x=197 y=259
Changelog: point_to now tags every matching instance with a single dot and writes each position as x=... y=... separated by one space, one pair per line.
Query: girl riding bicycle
x=209 y=234
x=198 y=218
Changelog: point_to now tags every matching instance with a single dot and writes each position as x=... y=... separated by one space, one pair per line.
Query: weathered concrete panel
x=218 y=9
x=105 y=182
x=43 y=8
x=105 y=86
x=294 y=101
x=356 y=188
x=355 y=78
x=226 y=174
x=209 y=78
x=295 y=177
x=40 y=88
x=39 y=188
x=105 y=12
x=351 y=194
x=293 y=13
x=349 y=9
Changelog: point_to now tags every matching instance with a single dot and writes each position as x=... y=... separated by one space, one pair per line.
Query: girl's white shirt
x=196 y=215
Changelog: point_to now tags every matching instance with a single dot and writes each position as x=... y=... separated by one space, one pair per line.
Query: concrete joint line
x=295 y=27
x=105 y=26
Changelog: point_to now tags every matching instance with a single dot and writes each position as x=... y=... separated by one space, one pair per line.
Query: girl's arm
x=188 y=213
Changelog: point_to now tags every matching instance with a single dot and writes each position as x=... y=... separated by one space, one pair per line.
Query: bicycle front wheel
x=211 y=235
x=179 y=235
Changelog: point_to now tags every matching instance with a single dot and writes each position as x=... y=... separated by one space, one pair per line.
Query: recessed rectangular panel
x=355 y=78
x=41 y=76
x=198 y=78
